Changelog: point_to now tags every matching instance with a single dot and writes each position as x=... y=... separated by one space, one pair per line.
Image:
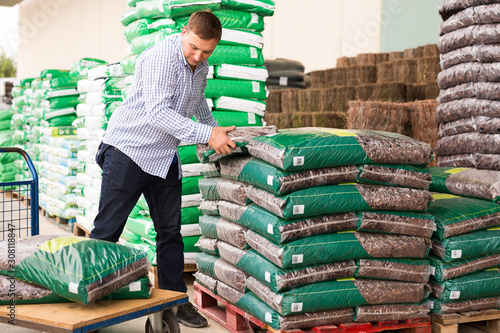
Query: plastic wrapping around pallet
x=240 y=104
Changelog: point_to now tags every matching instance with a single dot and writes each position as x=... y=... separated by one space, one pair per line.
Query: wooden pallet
x=485 y=320
x=79 y=230
x=236 y=320
x=66 y=224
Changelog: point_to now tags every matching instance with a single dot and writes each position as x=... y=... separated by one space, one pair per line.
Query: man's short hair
x=205 y=25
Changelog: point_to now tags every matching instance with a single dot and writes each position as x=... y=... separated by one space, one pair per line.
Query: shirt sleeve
x=159 y=87
x=203 y=114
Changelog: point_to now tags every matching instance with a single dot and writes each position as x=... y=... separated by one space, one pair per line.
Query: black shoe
x=188 y=316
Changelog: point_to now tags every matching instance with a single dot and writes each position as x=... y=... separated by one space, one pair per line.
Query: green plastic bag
x=466 y=182
x=61 y=102
x=240 y=104
x=222 y=229
x=410 y=270
x=403 y=223
x=52 y=73
x=189 y=243
x=343 y=198
x=82 y=269
x=395 y=175
x=254 y=171
x=223 y=189
x=456 y=215
x=238 y=119
x=442 y=271
x=327 y=248
x=282 y=231
x=235 y=88
x=128 y=64
x=190 y=185
x=61 y=121
x=221 y=270
x=190 y=215
x=476 y=304
x=315 y=147
x=238 y=19
x=476 y=285
x=142 y=226
x=187 y=154
x=468 y=246
x=236 y=55
x=174 y=8
x=136 y=29
x=238 y=72
x=240 y=37
x=262 y=7
x=129 y=17
x=207 y=245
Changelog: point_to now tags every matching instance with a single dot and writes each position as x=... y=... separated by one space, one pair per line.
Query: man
x=139 y=150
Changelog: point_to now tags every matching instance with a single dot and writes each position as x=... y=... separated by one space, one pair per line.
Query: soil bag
x=220 y=228
x=395 y=175
x=224 y=189
x=389 y=312
x=410 y=270
x=477 y=304
x=442 y=271
x=262 y=7
x=402 y=223
x=222 y=271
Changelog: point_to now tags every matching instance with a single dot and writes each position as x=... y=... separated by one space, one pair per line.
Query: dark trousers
x=123 y=182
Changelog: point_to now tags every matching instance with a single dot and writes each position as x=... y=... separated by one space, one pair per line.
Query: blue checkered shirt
x=157 y=114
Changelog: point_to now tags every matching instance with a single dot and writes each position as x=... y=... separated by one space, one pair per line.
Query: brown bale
x=339 y=76
x=366 y=59
x=415 y=91
x=352 y=76
x=366 y=74
x=302 y=119
x=341 y=97
x=398 y=70
x=385 y=72
x=329 y=77
x=273 y=102
x=318 y=79
x=431 y=50
x=342 y=62
x=411 y=71
x=394 y=92
x=315 y=103
x=326 y=99
x=395 y=55
x=410 y=53
x=302 y=100
x=287 y=120
x=423 y=122
x=428 y=69
x=378 y=115
x=420 y=52
x=289 y=101
x=381 y=57
x=274 y=119
x=329 y=119
x=432 y=90
x=365 y=91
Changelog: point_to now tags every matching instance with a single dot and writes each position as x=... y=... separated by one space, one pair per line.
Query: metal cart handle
x=26 y=158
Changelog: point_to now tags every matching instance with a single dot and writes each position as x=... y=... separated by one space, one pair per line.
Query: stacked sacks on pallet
x=285 y=74
x=466 y=247
x=469 y=107
x=298 y=248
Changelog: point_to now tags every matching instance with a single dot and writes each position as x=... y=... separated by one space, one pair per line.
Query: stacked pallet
x=394 y=77
x=469 y=102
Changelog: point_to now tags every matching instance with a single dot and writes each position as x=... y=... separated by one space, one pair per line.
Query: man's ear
x=184 y=31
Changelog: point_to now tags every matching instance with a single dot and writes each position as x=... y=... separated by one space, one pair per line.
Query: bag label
x=134 y=286
x=270 y=180
x=298 y=209
x=455 y=254
x=456 y=170
x=455 y=294
x=433 y=270
x=267 y=276
x=270 y=229
x=296 y=307
x=253 y=53
x=251 y=118
x=298 y=160
x=73 y=288
x=255 y=86
x=297 y=258
x=268 y=317
x=255 y=18
x=283 y=81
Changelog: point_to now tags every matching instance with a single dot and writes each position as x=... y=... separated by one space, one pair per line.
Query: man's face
x=195 y=49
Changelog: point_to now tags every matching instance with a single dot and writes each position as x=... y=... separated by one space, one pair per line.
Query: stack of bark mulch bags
x=320 y=226
x=469 y=107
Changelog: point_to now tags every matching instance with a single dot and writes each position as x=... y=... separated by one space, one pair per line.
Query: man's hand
x=219 y=140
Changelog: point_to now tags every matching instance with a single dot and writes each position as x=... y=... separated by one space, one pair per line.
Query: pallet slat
x=485 y=320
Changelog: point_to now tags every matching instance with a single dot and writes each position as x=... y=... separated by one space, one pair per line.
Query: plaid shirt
x=157 y=114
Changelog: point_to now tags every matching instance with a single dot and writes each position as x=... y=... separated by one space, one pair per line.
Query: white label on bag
x=296 y=307
x=134 y=286
x=251 y=118
x=73 y=288
x=298 y=160
x=255 y=87
x=283 y=81
x=255 y=18
x=297 y=258
x=270 y=179
x=431 y=304
x=298 y=209
x=269 y=317
x=433 y=270
x=253 y=52
x=456 y=254
x=267 y=276
x=270 y=229
x=455 y=294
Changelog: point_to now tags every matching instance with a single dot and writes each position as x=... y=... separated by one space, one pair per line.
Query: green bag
x=129 y=17
x=142 y=226
x=223 y=189
x=61 y=121
x=190 y=185
x=467 y=246
x=222 y=229
x=262 y=7
x=476 y=285
x=136 y=29
x=327 y=248
x=237 y=19
x=61 y=102
x=240 y=37
x=333 y=199
x=174 y=8
x=189 y=243
x=240 y=104
x=190 y=215
x=314 y=147
x=52 y=73
x=236 y=118
x=187 y=154
x=207 y=245
x=442 y=271
x=409 y=270
x=403 y=223
x=4 y=125
x=62 y=82
x=128 y=64
x=163 y=23
x=466 y=182
x=343 y=293
x=456 y=215
x=395 y=175
x=221 y=270
x=282 y=231
x=82 y=269
x=254 y=171
x=235 y=88
x=130 y=236
x=236 y=55
x=439 y=306
x=209 y=207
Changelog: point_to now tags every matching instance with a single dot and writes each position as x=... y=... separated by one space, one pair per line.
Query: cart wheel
x=170 y=324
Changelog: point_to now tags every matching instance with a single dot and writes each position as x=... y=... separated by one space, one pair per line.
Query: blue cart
x=19 y=201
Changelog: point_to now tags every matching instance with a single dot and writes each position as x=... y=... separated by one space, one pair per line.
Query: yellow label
x=346 y=279
x=493 y=228
x=58 y=243
x=350 y=231
x=493 y=269
x=456 y=170
x=338 y=131
x=347 y=184
x=443 y=196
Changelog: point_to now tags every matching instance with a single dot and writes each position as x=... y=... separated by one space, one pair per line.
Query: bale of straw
x=343 y=62
x=341 y=98
x=395 y=55
x=410 y=71
x=275 y=119
x=431 y=50
x=339 y=76
x=428 y=69
x=432 y=90
x=423 y=122
x=302 y=119
x=410 y=53
x=378 y=115
x=394 y=91
x=318 y=79
x=352 y=76
x=366 y=59
x=415 y=92
x=420 y=52
x=309 y=100
x=399 y=71
x=365 y=91
x=287 y=120
x=273 y=102
x=381 y=57
x=366 y=74
x=385 y=72
x=289 y=102
x=329 y=119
